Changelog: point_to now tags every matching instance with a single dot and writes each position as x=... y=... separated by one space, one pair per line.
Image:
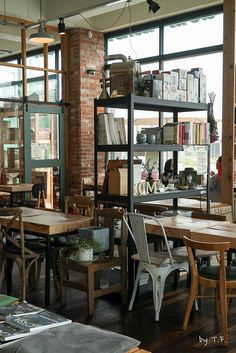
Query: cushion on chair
x=212 y=272
x=73 y=338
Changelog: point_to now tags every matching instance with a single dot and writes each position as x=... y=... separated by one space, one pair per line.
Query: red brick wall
x=84 y=53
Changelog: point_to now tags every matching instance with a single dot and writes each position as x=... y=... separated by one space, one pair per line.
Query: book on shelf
x=120 y=126
x=104 y=137
x=37 y=322
x=115 y=139
x=19 y=308
x=10 y=333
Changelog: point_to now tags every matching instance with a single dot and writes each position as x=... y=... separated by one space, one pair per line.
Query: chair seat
x=213 y=272
x=160 y=258
x=182 y=251
x=36 y=247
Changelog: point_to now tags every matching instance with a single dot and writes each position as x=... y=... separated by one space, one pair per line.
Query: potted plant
x=82 y=249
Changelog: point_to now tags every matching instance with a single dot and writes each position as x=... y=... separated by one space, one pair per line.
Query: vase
x=141 y=138
x=85 y=254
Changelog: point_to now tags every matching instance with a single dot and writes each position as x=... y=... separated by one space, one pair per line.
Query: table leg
x=47 y=271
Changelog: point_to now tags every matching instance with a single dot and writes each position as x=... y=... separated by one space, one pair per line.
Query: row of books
x=111 y=130
x=186 y=133
x=23 y=319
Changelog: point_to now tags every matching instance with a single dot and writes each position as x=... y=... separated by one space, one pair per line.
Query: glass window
x=50 y=176
x=44 y=136
x=132 y=45
x=196 y=33
x=10 y=82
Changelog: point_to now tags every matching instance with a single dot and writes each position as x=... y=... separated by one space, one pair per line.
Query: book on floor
x=37 y=322
x=10 y=333
x=19 y=308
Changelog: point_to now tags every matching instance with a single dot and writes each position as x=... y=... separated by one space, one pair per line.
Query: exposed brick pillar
x=84 y=53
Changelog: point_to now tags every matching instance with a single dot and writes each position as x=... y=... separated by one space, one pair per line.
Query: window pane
x=133 y=44
x=192 y=34
x=35 y=85
x=10 y=82
x=54 y=83
x=44 y=136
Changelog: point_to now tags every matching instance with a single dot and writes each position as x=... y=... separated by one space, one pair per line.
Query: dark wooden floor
x=165 y=336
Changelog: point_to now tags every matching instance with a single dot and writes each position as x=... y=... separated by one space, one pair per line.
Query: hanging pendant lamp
x=41 y=37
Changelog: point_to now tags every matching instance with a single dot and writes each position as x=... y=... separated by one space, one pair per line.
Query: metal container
x=125 y=78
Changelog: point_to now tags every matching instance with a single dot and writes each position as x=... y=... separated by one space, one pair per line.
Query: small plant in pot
x=82 y=249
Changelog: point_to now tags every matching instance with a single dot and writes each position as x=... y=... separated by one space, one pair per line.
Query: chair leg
x=158 y=293
x=224 y=313
x=91 y=297
x=191 y=298
x=135 y=287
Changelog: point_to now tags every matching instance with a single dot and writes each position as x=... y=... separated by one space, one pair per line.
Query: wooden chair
x=79 y=204
x=203 y=215
x=92 y=270
x=220 y=277
x=13 y=249
x=38 y=196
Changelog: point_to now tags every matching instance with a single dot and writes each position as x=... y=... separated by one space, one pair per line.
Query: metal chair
x=159 y=266
x=220 y=277
x=14 y=248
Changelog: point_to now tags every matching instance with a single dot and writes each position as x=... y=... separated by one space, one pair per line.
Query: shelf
x=153 y=196
x=147 y=103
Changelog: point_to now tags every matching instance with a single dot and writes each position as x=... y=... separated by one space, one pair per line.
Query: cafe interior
x=118 y=172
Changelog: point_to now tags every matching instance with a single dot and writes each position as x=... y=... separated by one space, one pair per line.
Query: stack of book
x=23 y=319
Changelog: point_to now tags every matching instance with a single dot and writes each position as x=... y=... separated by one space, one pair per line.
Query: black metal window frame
x=161 y=25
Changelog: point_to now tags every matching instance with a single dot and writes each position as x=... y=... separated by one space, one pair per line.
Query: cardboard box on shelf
x=117 y=181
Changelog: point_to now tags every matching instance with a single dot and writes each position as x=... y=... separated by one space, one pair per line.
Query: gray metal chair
x=159 y=266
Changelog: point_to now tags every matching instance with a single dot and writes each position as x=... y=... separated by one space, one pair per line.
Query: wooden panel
x=228 y=102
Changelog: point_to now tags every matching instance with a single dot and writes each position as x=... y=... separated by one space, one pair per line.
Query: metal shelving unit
x=132 y=103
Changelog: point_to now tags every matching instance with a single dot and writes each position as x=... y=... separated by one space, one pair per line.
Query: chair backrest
x=193 y=245
x=150 y=209
x=135 y=223
x=112 y=219
x=37 y=188
x=15 y=222
x=202 y=215
x=79 y=204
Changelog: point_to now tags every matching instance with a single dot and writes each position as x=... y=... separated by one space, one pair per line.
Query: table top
x=189 y=204
x=23 y=187
x=179 y=226
x=50 y=223
x=220 y=232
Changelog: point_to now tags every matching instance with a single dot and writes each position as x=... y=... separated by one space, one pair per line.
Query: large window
x=186 y=41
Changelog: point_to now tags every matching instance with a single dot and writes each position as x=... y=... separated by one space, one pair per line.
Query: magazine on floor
x=37 y=322
x=19 y=308
x=9 y=333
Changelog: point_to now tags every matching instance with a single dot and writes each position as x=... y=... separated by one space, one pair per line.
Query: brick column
x=84 y=53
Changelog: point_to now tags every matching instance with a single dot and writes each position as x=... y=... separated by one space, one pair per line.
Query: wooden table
x=216 y=232
x=49 y=224
x=190 y=204
x=15 y=189
x=178 y=226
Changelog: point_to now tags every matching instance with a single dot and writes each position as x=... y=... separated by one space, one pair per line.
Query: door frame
x=29 y=164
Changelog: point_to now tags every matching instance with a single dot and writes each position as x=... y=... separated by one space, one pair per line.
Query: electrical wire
x=130 y=31
x=102 y=29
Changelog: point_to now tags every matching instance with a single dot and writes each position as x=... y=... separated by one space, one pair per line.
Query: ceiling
x=100 y=15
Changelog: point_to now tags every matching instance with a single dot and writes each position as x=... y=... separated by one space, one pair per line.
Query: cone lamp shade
x=41 y=37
